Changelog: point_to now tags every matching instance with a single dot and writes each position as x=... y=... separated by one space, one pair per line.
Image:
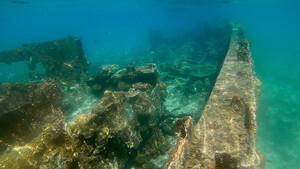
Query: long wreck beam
x=225 y=135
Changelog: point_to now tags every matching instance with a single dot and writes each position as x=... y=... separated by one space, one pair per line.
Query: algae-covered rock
x=130 y=75
x=225 y=161
x=23 y=106
x=32 y=124
x=122 y=80
x=157 y=145
x=102 y=80
x=115 y=128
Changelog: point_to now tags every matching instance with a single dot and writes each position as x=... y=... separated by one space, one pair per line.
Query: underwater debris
x=145 y=74
x=62 y=59
x=225 y=135
x=208 y=44
x=33 y=113
x=131 y=127
x=203 y=71
x=184 y=129
x=225 y=161
x=157 y=145
x=125 y=119
x=122 y=80
x=111 y=134
x=195 y=60
x=180 y=127
x=236 y=103
x=244 y=51
x=102 y=80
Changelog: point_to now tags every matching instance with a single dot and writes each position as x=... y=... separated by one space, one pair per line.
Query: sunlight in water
x=145 y=84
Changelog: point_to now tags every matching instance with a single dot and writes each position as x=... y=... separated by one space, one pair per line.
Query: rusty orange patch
x=213 y=165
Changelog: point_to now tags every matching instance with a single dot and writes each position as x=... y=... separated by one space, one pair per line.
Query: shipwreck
x=131 y=123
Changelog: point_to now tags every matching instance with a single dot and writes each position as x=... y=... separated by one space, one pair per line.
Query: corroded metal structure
x=225 y=135
x=62 y=59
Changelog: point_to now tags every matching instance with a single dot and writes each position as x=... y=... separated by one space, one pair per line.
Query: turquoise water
x=111 y=30
x=272 y=27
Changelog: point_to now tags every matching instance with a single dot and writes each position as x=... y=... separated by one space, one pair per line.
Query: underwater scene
x=149 y=84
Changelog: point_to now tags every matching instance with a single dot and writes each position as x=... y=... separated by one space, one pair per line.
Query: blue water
x=111 y=29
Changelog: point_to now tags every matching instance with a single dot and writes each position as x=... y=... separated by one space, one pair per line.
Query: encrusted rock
x=157 y=145
x=115 y=128
x=32 y=124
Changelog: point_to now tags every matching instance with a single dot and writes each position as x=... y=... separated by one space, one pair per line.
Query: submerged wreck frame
x=62 y=59
x=225 y=135
x=223 y=138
